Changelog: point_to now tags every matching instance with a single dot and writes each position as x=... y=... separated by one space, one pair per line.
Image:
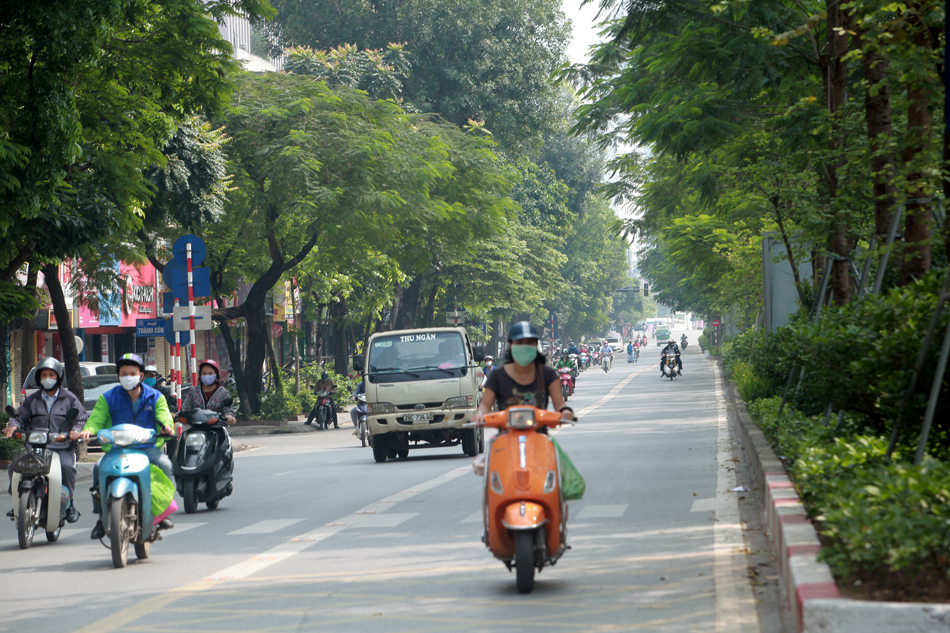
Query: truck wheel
x=379 y=448
x=470 y=442
x=392 y=446
x=403 y=453
x=481 y=440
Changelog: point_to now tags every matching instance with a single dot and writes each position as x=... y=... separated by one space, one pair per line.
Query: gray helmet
x=522 y=330
x=151 y=368
x=48 y=363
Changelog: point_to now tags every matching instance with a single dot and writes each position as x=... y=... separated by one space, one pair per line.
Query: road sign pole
x=191 y=320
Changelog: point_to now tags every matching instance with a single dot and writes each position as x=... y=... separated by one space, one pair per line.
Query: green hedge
x=886 y=522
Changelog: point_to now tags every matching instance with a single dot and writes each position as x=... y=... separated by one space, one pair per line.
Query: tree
x=485 y=61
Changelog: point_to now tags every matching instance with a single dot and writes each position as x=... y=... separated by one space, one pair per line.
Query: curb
x=810 y=589
x=791 y=533
x=243 y=431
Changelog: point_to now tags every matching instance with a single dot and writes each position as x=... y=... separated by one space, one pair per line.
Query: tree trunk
x=256 y=352
x=277 y=377
x=338 y=323
x=409 y=304
x=836 y=90
x=917 y=223
x=235 y=357
x=293 y=307
x=27 y=332
x=394 y=312
x=67 y=339
x=877 y=116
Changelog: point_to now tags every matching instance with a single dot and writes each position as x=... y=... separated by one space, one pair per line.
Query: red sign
x=715 y=323
x=276 y=330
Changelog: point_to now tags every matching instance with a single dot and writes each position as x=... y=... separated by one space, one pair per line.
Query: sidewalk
x=296 y=426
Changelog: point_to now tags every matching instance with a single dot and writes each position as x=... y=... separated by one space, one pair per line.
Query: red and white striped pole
x=177 y=362
x=191 y=320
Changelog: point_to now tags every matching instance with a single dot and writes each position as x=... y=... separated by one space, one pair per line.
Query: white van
x=615 y=341
x=421 y=388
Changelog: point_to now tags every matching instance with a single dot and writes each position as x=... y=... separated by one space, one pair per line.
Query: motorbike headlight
x=123 y=438
x=375 y=408
x=195 y=440
x=37 y=437
x=458 y=402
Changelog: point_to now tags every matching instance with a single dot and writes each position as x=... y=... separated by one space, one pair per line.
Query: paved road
x=319 y=537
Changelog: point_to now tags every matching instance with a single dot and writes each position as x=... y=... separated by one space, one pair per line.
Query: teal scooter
x=125 y=486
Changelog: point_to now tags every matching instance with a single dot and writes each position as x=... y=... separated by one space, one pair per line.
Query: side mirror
x=478 y=353
x=358 y=363
x=72 y=414
x=228 y=402
x=10 y=411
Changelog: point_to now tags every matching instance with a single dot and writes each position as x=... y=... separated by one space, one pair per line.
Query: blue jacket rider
x=131 y=402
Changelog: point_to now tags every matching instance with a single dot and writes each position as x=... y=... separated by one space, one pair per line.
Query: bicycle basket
x=28 y=462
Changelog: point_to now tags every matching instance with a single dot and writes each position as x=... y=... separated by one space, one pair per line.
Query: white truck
x=421 y=388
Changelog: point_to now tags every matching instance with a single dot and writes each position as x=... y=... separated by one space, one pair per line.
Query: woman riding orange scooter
x=525 y=511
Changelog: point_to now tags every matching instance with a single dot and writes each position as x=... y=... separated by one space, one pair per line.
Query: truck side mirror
x=478 y=353
x=358 y=363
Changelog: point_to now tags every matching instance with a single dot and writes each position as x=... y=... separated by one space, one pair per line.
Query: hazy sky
x=585 y=33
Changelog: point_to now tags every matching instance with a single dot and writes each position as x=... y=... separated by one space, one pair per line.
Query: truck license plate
x=418 y=417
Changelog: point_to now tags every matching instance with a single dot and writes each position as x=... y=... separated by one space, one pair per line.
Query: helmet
x=522 y=330
x=210 y=363
x=324 y=375
x=152 y=368
x=131 y=359
x=48 y=363
x=489 y=358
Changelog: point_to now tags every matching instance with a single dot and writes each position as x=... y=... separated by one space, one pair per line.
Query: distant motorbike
x=669 y=365
x=584 y=361
x=567 y=382
x=204 y=461
x=324 y=414
x=38 y=482
x=361 y=431
x=605 y=361
x=684 y=343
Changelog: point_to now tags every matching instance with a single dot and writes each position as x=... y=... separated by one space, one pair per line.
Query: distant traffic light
x=646 y=290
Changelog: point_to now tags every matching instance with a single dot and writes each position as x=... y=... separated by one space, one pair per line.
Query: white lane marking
x=289 y=472
x=181 y=527
x=735 y=605
x=607 y=511
x=381 y=520
x=319 y=533
x=613 y=392
x=703 y=505
x=265 y=527
x=474 y=517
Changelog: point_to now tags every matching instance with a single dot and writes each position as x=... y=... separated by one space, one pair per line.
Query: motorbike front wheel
x=26 y=520
x=322 y=418
x=119 y=533
x=565 y=391
x=189 y=496
x=524 y=560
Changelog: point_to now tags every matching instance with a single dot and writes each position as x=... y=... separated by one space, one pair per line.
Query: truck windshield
x=422 y=355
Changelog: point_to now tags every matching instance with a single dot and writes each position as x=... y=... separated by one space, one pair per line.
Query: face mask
x=208 y=379
x=48 y=383
x=150 y=381
x=524 y=355
x=129 y=382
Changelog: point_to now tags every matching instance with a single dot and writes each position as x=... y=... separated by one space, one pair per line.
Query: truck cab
x=421 y=388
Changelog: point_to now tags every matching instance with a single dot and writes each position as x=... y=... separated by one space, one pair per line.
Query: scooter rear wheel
x=524 y=560
x=52 y=537
x=213 y=504
x=142 y=550
x=118 y=533
x=26 y=520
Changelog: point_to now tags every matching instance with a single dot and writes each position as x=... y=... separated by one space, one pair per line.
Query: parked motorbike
x=525 y=516
x=361 y=431
x=567 y=382
x=204 y=462
x=324 y=414
x=125 y=487
x=42 y=500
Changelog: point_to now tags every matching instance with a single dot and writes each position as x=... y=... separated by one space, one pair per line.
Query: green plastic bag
x=572 y=484
x=163 y=492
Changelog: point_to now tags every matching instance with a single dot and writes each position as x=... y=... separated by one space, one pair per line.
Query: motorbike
x=38 y=482
x=324 y=415
x=204 y=461
x=669 y=366
x=361 y=431
x=605 y=360
x=684 y=343
x=125 y=489
x=574 y=359
x=567 y=382
x=524 y=513
x=633 y=356
x=584 y=361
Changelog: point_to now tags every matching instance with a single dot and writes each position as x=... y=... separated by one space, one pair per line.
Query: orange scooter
x=524 y=512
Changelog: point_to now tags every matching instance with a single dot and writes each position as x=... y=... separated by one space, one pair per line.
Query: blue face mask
x=150 y=381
